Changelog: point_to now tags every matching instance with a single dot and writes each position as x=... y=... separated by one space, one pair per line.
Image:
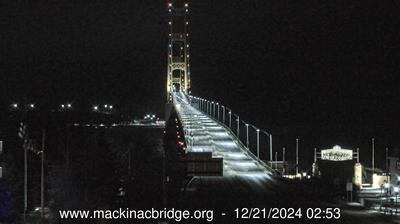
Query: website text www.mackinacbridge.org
x=130 y=214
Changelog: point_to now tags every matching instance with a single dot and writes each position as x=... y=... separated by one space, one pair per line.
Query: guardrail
x=257 y=141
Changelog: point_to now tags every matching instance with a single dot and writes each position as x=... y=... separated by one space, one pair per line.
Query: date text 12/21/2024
x=287 y=213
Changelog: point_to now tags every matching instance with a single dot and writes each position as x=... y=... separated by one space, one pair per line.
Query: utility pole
x=297 y=156
x=1 y=151
x=25 y=182
x=283 y=160
x=373 y=156
x=25 y=115
x=42 y=174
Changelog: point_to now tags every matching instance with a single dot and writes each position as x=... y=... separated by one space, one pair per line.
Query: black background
x=276 y=63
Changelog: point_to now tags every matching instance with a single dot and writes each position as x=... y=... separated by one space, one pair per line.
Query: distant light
x=304 y=174
x=170 y=4
x=111 y=106
x=15 y=105
x=32 y=105
x=69 y=105
x=106 y=106
x=95 y=108
x=186 y=5
x=62 y=105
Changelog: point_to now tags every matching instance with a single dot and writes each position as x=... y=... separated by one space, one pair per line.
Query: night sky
x=276 y=63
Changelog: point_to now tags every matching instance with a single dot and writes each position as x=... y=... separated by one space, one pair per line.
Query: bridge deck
x=204 y=134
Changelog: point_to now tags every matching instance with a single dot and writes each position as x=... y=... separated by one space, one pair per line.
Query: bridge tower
x=178 y=75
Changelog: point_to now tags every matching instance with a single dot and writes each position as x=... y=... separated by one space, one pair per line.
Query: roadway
x=204 y=134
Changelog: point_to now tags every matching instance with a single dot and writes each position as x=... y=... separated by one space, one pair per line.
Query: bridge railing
x=257 y=141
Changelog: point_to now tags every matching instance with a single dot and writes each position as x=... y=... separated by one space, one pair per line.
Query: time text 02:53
x=287 y=213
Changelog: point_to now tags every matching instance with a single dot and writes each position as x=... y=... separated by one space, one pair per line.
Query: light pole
x=218 y=111
x=258 y=143
x=223 y=114
x=1 y=151
x=213 y=109
x=373 y=156
x=238 y=128
x=247 y=135
x=283 y=160
x=297 y=156
x=199 y=101
x=42 y=174
x=270 y=147
x=230 y=119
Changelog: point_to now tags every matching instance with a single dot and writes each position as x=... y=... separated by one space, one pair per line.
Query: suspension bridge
x=210 y=127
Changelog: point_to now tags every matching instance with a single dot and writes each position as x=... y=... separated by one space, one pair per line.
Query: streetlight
x=32 y=105
x=230 y=118
x=69 y=105
x=258 y=142
x=238 y=127
x=212 y=109
x=96 y=108
x=223 y=114
x=14 y=105
x=218 y=111
x=247 y=135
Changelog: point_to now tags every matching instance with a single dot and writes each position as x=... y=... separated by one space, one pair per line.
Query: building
x=394 y=169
